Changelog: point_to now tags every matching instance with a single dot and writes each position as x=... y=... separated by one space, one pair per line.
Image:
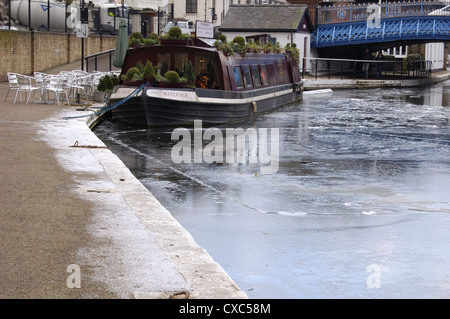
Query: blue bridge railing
x=348 y=12
x=426 y=28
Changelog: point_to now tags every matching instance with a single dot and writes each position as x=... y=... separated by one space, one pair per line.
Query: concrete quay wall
x=311 y=83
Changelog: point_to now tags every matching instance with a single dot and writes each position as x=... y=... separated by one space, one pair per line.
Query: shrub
x=149 y=71
x=225 y=47
x=153 y=36
x=135 y=39
x=107 y=82
x=222 y=38
x=115 y=79
x=101 y=86
x=174 y=33
x=293 y=51
x=239 y=41
x=150 y=42
x=172 y=76
x=189 y=73
x=137 y=35
x=140 y=66
x=133 y=73
x=133 y=42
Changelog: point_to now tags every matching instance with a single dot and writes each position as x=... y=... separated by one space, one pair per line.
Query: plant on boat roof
x=137 y=40
x=140 y=66
x=175 y=33
x=293 y=51
x=239 y=41
x=224 y=46
x=222 y=37
x=269 y=47
x=149 y=71
x=173 y=77
x=133 y=74
x=189 y=74
x=238 y=45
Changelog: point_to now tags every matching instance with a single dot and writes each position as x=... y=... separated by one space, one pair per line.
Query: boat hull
x=171 y=107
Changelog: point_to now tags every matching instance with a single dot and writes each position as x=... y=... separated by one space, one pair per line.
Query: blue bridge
x=382 y=26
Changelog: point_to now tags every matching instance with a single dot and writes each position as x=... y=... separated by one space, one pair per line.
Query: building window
x=191 y=6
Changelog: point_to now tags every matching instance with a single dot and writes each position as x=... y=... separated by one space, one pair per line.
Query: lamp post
x=48 y=15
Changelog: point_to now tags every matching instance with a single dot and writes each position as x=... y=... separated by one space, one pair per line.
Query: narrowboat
x=227 y=88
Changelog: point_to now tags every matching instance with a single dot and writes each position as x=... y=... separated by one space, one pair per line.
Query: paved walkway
x=76 y=217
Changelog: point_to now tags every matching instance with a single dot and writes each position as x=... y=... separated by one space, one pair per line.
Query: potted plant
x=149 y=72
x=175 y=36
x=136 y=40
x=105 y=86
x=172 y=80
x=189 y=74
x=133 y=77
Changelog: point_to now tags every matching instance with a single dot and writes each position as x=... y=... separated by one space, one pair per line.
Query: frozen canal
x=358 y=208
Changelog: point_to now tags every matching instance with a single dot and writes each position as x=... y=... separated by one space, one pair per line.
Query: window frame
x=247 y=75
x=264 y=75
x=256 y=77
x=241 y=80
x=191 y=6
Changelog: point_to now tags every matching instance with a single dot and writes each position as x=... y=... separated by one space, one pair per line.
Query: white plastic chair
x=13 y=83
x=39 y=80
x=26 y=85
x=75 y=84
x=57 y=86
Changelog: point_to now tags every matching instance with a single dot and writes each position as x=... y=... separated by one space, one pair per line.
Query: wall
x=26 y=52
x=435 y=53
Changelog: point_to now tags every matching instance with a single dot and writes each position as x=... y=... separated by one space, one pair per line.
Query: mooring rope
x=108 y=108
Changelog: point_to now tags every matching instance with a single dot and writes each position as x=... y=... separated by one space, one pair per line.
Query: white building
x=209 y=10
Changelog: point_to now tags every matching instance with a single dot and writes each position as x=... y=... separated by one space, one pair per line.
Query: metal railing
x=355 y=69
x=341 y=13
x=101 y=61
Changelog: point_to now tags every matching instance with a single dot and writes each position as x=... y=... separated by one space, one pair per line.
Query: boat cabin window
x=180 y=62
x=247 y=76
x=238 y=76
x=255 y=75
x=206 y=72
x=264 y=78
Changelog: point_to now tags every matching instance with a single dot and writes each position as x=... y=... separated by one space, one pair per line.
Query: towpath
x=75 y=223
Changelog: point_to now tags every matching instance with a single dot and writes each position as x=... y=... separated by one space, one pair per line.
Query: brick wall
x=26 y=52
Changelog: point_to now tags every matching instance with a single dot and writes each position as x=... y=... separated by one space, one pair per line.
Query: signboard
x=83 y=30
x=204 y=29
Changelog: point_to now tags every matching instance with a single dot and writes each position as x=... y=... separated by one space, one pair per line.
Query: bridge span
x=350 y=27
